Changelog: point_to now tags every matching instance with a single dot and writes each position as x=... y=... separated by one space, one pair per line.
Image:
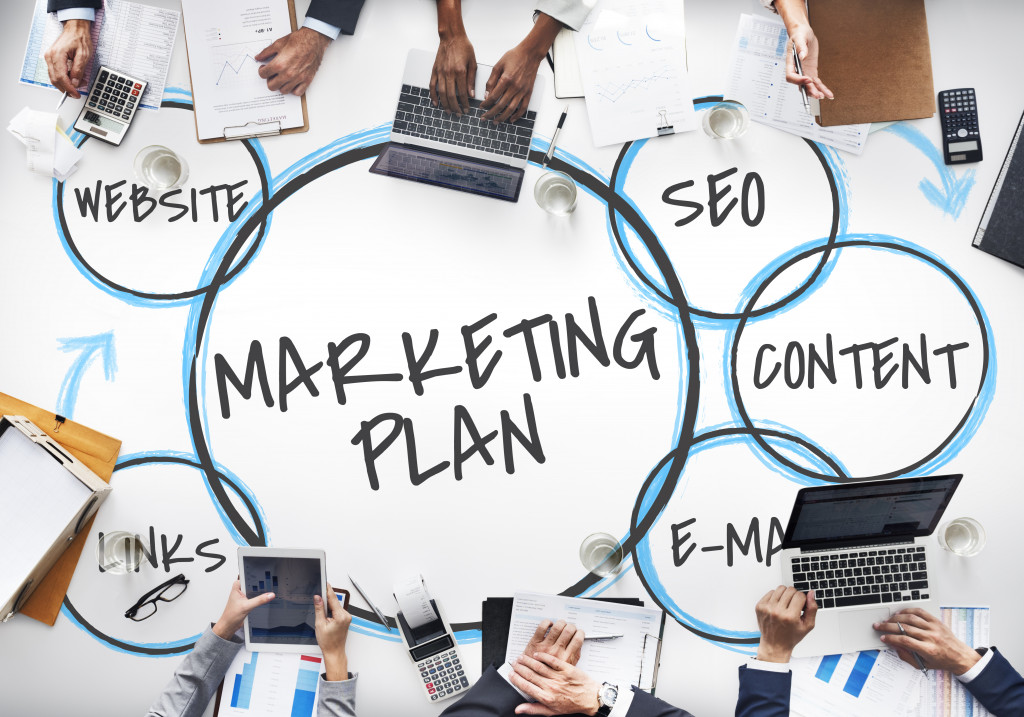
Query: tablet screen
x=288 y=619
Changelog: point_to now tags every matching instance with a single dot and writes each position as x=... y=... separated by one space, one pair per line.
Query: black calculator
x=110 y=106
x=961 y=141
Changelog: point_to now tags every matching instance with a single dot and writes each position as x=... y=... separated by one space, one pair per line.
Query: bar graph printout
x=131 y=37
x=632 y=56
x=873 y=683
x=270 y=684
x=223 y=40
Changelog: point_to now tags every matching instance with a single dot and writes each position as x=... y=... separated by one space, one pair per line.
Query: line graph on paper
x=232 y=65
x=656 y=82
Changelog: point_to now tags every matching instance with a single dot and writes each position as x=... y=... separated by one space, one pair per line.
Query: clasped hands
x=547 y=672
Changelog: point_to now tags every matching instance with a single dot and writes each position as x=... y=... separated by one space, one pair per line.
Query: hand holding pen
x=924 y=641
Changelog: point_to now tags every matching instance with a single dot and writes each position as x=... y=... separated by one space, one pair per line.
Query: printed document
x=873 y=683
x=943 y=695
x=619 y=660
x=224 y=38
x=757 y=78
x=129 y=37
x=632 y=57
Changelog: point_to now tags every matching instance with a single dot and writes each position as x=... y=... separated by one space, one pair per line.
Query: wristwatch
x=606 y=697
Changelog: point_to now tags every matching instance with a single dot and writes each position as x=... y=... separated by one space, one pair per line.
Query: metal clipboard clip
x=650 y=661
x=663 y=126
x=253 y=129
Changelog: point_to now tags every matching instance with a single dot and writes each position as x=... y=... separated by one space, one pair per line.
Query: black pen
x=554 y=137
x=800 y=71
x=917 y=658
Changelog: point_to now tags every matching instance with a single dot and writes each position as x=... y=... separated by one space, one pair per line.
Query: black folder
x=1001 y=231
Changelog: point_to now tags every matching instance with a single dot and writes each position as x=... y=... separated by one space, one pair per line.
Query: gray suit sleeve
x=571 y=13
x=337 y=699
x=197 y=677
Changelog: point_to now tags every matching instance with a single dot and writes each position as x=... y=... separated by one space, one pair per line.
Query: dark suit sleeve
x=763 y=693
x=340 y=13
x=55 y=5
x=999 y=687
x=491 y=696
x=644 y=705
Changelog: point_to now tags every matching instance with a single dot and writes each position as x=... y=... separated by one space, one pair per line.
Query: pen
x=917 y=658
x=370 y=603
x=800 y=71
x=554 y=137
x=600 y=637
x=62 y=98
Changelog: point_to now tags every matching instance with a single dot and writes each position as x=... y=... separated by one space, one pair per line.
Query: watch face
x=608 y=694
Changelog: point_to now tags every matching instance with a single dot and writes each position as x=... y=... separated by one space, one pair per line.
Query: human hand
x=929 y=637
x=802 y=37
x=454 y=73
x=237 y=608
x=511 y=83
x=558 y=687
x=331 y=634
x=292 y=60
x=781 y=623
x=74 y=46
x=561 y=639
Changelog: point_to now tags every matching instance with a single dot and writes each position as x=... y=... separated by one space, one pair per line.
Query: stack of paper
x=48 y=149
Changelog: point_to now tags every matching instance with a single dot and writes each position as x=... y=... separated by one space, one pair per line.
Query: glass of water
x=726 y=120
x=119 y=552
x=555 y=192
x=601 y=554
x=161 y=169
x=963 y=536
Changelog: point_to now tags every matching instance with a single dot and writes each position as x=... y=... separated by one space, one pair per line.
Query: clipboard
x=249 y=130
x=342 y=593
x=97 y=451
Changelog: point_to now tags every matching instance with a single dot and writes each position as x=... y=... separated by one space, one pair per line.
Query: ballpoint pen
x=917 y=658
x=554 y=137
x=800 y=71
x=369 y=602
x=600 y=637
x=62 y=98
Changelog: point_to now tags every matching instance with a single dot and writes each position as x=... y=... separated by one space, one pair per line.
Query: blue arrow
x=89 y=347
x=955 y=188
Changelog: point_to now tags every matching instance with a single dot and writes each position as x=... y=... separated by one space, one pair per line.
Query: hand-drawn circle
x=839 y=211
x=113 y=287
x=869 y=241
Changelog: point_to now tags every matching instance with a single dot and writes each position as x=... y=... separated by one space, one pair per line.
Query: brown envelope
x=96 y=450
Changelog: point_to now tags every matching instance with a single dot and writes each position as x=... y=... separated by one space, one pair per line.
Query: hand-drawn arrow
x=89 y=347
x=955 y=187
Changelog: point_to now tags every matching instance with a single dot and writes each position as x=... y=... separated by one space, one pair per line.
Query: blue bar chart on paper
x=873 y=683
x=270 y=684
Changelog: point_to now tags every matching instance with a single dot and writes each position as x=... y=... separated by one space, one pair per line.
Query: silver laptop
x=860 y=547
x=465 y=153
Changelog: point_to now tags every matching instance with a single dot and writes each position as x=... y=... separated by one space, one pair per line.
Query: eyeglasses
x=145 y=607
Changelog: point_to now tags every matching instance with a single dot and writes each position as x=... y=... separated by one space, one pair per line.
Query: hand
x=558 y=687
x=802 y=36
x=292 y=60
x=331 y=633
x=237 y=608
x=454 y=73
x=73 y=46
x=510 y=85
x=929 y=637
x=562 y=640
x=781 y=623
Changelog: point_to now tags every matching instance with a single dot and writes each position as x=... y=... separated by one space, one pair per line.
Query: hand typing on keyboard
x=454 y=73
x=784 y=615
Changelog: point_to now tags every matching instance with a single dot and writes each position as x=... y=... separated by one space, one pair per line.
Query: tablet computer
x=288 y=622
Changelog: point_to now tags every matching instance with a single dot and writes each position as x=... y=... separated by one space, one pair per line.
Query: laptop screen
x=449 y=170
x=876 y=511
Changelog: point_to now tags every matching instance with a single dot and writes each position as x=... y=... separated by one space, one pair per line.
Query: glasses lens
x=173 y=591
x=144 y=611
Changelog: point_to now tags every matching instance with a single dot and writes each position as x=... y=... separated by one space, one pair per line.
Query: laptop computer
x=465 y=153
x=860 y=547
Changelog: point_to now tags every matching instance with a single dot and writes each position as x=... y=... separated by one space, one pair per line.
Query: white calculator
x=433 y=650
x=110 y=106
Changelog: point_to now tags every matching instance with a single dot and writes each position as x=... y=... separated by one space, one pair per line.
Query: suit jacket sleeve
x=56 y=5
x=999 y=687
x=340 y=13
x=197 y=677
x=644 y=705
x=763 y=693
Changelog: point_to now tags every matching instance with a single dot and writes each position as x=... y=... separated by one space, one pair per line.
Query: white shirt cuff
x=505 y=670
x=768 y=666
x=622 y=702
x=77 y=13
x=978 y=667
x=322 y=27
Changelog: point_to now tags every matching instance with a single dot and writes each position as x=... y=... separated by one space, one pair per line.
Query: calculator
x=432 y=648
x=958 y=110
x=110 y=106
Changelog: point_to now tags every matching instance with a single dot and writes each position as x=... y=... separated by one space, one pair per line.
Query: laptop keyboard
x=417 y=117
x=863 y=577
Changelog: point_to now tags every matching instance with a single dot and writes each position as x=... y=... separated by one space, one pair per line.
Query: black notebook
x=1001 y=231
